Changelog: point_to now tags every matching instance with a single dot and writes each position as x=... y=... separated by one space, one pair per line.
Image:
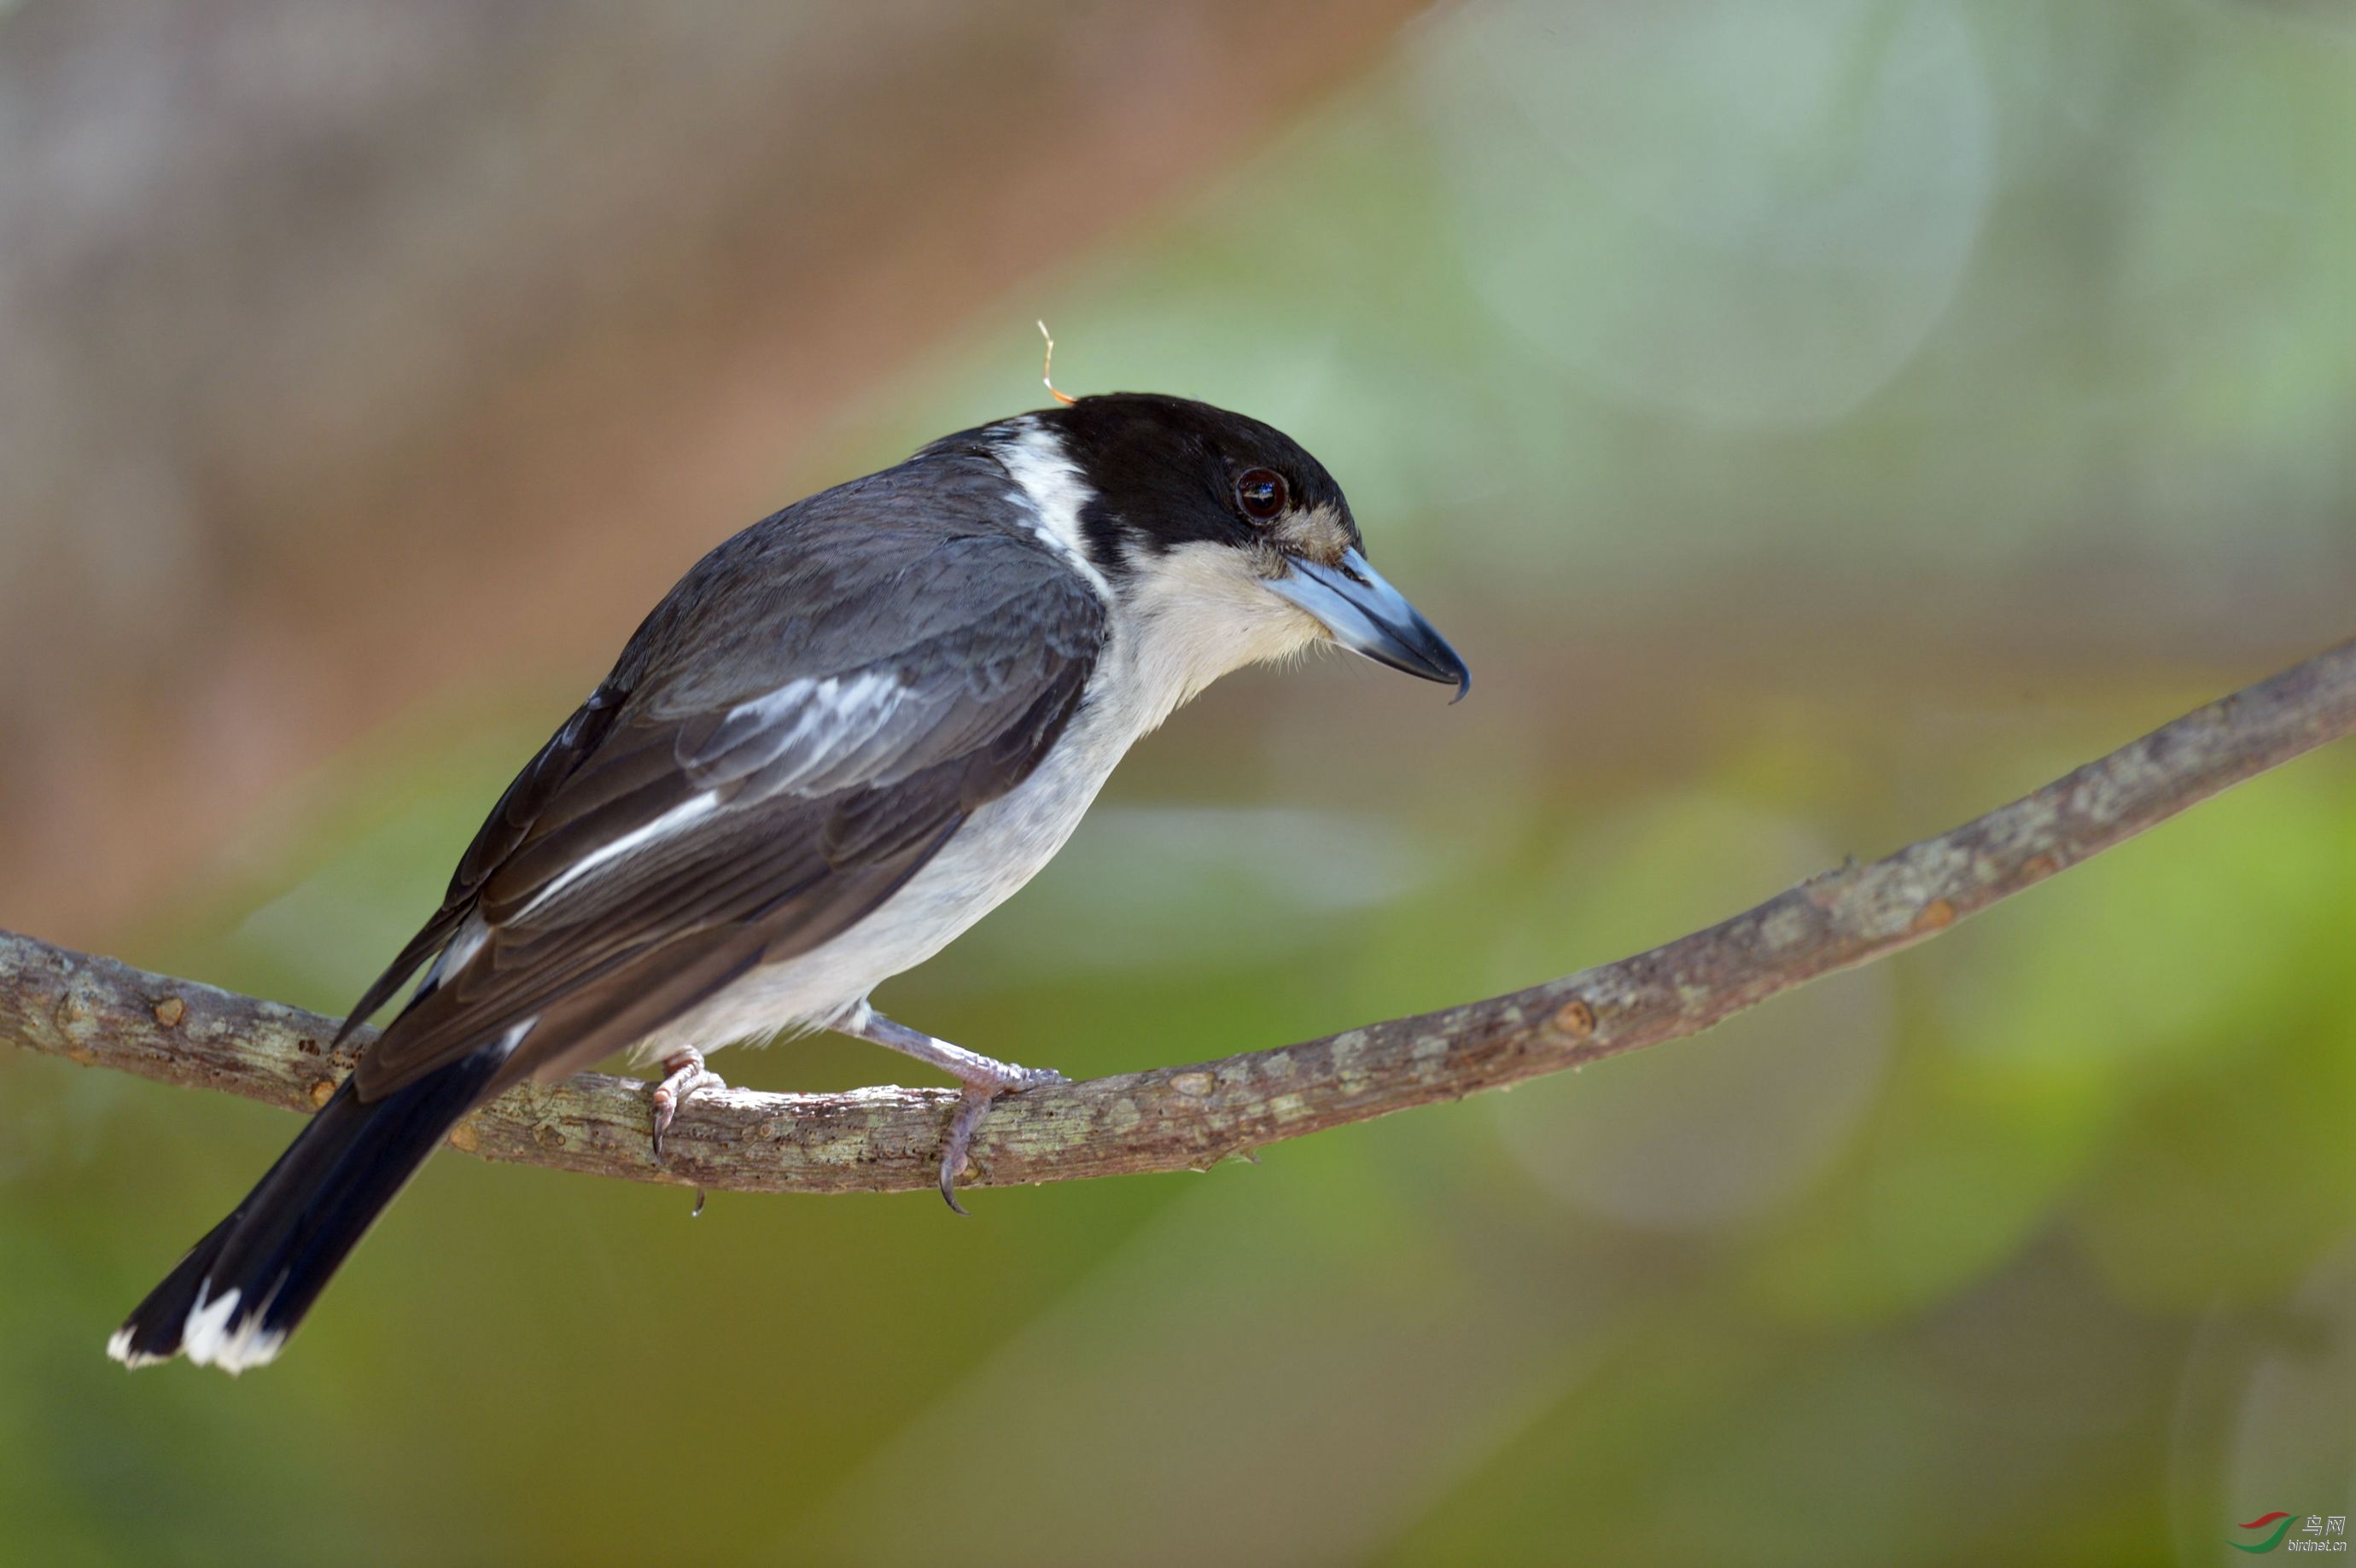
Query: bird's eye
x=1260 y=493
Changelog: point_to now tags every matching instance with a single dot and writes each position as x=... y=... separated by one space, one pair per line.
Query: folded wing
x=690 y=822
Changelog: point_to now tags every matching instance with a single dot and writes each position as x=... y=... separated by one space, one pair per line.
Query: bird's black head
x=1168 y=472
x=1187 y=509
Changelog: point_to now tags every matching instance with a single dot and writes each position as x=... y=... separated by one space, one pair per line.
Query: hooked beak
x=1367 y=616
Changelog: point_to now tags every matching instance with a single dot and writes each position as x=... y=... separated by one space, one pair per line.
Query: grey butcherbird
x=846 y=735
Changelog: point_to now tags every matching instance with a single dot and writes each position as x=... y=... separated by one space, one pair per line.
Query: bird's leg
x=683 y=1075
x=984 y=1077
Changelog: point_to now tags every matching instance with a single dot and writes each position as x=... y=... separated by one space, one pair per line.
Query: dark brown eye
x=1260 y=493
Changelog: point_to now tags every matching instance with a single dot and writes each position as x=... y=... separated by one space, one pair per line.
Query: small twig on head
x=1047 y=375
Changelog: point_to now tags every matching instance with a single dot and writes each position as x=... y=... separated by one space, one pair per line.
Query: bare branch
x=102 y=1013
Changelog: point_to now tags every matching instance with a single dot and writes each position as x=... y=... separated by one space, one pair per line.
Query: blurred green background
x=1815 y=423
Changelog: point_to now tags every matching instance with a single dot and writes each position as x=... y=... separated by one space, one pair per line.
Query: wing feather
x=681 y=827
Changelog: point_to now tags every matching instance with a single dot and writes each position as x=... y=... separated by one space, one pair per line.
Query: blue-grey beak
x=1367 y=616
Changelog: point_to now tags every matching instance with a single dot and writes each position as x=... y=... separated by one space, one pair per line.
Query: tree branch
x=102 y=1013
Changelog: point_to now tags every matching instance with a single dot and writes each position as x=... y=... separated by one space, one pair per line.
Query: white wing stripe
x=811 y=726
x=677 y=819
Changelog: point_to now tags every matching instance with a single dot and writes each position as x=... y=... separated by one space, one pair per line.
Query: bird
x=849 y=732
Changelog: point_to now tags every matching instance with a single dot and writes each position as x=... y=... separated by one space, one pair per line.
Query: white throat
x=1181 y=620
x=1194 y=614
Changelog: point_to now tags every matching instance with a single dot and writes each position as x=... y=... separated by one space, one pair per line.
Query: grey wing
x=686 y=839
x=519 y=808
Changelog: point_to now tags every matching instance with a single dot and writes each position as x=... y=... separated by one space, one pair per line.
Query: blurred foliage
x=1833 y=285
x=2037 y=1245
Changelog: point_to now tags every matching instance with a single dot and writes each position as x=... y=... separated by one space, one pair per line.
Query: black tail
x=245 y=1287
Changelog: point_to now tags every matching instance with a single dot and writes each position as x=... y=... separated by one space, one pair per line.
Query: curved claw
x=972 y=1107
x=683 y=1075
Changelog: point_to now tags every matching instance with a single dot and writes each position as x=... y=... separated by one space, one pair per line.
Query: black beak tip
x=1445 y=665
x=1426 y=655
